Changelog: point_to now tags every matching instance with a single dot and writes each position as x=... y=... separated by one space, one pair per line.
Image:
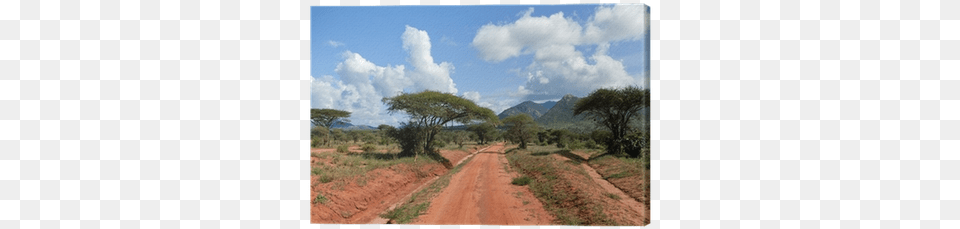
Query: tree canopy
x=614 y=109
x=328 y=117
x=485 y=131
x=430 y=110
x=522 y=128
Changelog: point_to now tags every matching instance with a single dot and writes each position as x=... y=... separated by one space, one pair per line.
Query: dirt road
x=482 y=194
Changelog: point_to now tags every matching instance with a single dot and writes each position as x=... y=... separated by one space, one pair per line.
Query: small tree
x=430 y=110
x=355 y=135
x=459 y=137
x=321 y=134
x=485 y=131
x=338 y=135
x=521 y=128
x=328 y=117
x=614 y=109
x=561 y=137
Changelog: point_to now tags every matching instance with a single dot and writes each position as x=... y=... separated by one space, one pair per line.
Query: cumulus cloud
x=361 y=84
x=426 y=74
x=558 y=67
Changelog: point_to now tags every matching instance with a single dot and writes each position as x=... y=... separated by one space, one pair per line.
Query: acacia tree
x=484 y=131
x=384 y=132
x=328 y=117
x=429 y=111
x=521 y=128
x=614 y=109
x=319 y=136
x=459 y=137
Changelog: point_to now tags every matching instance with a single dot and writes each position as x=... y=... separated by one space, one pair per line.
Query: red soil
x=349 y=202
x=482 y=194
x=593 y=188
x=632 y=186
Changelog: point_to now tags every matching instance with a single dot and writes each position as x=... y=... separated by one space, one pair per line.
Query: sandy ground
x=482 y=194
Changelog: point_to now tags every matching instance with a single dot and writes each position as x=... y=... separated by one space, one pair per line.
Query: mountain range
x=350 y=126
x=531 y=108
x=549 y=114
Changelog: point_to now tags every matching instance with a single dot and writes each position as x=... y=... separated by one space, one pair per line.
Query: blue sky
x=498 y=55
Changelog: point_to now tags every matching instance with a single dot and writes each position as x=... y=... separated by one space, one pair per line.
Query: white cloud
x=426 y=74
x=362 y=84
x=558 y=67
x=472 y=96
x=334 y=43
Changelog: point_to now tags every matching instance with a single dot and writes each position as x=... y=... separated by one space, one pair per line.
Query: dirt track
x=482 y=194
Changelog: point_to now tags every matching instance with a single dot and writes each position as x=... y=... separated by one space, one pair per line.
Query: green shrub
x=439 y=144
x=521 y=181
x=320 y=199
x=369 y=148
x=314 y=142
x=343 y=149
x=613 y=196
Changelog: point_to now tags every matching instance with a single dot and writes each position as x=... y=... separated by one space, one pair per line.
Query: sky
x=496 y=55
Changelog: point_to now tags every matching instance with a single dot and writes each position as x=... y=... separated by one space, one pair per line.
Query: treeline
x=620 y=114
x=623 y=131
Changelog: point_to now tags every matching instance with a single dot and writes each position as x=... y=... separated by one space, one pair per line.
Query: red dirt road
x=481 y=193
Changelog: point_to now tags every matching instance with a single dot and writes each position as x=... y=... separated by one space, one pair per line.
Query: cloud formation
x=362 y=84
x=335 y=44
x=558 y=67
x=426 y=74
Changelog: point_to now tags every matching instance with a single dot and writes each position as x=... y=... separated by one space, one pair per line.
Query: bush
x=343 y=149
x=409 y=139
x=439 y=144
x=315 y=142
x=368 y=148
x=521 y=181
x=590 y=144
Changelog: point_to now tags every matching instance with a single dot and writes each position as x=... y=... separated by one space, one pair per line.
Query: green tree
x=459 y=137
x=614 y=109
x=561 y=137
x=328 y=117
x=521 y=128
x=384 y=131
x=338 y=135
x=320 y=135
x=485 y=131
x=429 y=111
x=355 y=135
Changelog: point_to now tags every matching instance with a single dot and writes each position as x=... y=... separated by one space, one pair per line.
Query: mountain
x=349 y=126
x=531 y=108
x=548 y=104
x=561 y=114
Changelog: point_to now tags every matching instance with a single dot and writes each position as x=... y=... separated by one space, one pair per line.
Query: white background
x=193 y=114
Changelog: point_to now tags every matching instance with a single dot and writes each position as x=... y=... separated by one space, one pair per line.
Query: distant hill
x=561 y=114
x=548 y=104
x=531 y=108
x=349 y=126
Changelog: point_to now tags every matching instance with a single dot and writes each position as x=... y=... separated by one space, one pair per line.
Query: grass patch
x=344 y=166
x=621 y=167
x=521 y=181
x=320 y=199
x=406 y=213
x=612 y=196
x=618 y=175
x=343 y=149
x=420 y=201
x=548 y=186
x=368 y=148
